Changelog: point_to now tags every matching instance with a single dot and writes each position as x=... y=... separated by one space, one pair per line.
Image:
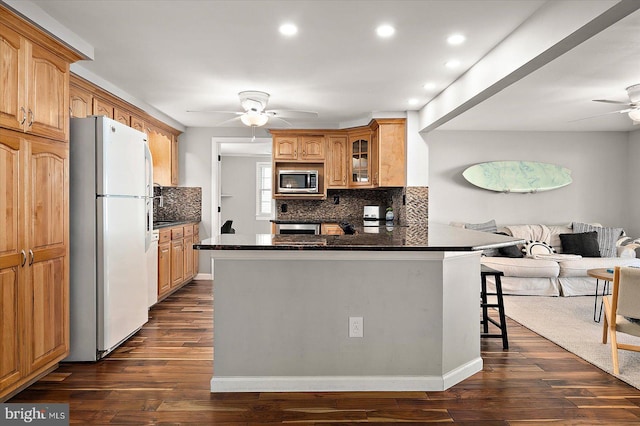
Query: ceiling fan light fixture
x=635 y=115
x=253 y=119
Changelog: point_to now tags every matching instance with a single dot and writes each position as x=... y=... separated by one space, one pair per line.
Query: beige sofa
x=556 y=274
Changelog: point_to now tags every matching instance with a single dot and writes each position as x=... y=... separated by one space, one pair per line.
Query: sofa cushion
x=523 y=267
x=607 y=237
x=583 y=243
x=578 y=268
x=554 y=239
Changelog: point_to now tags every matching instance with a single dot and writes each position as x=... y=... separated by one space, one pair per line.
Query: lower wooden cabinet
x=177 y=264
x=331 y=229
x=164 y=266
x=34 y=258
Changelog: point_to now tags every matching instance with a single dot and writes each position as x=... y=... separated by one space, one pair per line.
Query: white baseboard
x=201 y=276
x=344 y=383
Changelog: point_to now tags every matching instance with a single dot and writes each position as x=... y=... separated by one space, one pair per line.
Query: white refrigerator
x=110 y=226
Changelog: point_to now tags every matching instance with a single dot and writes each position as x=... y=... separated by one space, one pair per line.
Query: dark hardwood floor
x=161 y=376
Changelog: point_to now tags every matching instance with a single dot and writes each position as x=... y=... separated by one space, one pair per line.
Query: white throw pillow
x=532 y=248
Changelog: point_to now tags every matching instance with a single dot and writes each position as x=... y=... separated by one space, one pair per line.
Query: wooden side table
x=606 y=276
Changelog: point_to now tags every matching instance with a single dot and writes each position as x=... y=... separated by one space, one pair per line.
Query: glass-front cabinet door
x=360 y=160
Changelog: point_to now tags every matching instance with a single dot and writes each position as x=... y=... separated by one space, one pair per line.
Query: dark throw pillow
x=583 y=243
x=510 y=251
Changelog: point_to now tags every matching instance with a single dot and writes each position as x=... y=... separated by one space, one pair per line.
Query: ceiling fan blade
x=285 y=122
x=216 y=112
x=622 y=111
x=282 y=113
x=222 y=123
x=608 y=101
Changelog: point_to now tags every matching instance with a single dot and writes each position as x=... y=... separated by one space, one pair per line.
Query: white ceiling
x=189 y=55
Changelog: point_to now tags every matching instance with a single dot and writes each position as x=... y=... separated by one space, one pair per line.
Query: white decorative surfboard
x=518 y=176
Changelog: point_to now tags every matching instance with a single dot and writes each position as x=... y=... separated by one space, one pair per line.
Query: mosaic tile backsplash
x=179 y=203
x=351 y=204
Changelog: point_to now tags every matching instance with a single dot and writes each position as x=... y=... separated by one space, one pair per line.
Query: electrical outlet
x=356 y=327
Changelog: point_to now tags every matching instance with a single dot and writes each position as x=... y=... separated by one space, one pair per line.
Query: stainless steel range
x=298 y=228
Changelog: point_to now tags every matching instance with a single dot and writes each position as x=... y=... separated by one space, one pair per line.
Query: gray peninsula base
x=281 y=320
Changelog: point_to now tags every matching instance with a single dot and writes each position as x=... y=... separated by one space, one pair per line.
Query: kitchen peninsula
x=285 y=306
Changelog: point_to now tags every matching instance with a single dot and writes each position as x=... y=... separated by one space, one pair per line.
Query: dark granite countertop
x=435 y=237
x=169 y=223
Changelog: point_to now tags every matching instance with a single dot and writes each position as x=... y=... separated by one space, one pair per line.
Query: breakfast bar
x=285 y=307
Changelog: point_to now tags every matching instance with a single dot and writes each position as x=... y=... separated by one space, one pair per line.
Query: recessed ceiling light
x=385 y=31
x=429 y=86
x=413 y=101
x=288 y=29
x=453 y=63
x=456 y=39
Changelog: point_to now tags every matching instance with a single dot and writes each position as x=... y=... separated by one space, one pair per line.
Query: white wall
x=632 y=197
x=197 y=169
x=238 y=180
x=598 y=161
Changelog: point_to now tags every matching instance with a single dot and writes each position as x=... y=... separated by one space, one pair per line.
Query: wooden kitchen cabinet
x=34 y=203
x=34 y=257
x=188 y=252
x=80 y=102
x=122 y=116
x=164 y=151
x=164 y=262
x=302 y=147
x=196 y=253
x=359 y=162
x=35 y=85
x=336 y=165
x=331 y=229
x=176 y=257
x=138 y=124
x=389 y=139
x=102 y=107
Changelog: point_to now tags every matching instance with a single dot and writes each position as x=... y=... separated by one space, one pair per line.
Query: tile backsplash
x=350 y=204
x=179 y=203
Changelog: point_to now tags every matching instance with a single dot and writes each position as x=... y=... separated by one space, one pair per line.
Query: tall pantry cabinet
x=34 y=203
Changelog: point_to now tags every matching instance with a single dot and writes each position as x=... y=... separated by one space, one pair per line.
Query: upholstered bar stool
x=502 y=324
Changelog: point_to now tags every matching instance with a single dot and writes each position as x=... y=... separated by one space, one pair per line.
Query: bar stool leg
x=485 y=313
x=503 y=320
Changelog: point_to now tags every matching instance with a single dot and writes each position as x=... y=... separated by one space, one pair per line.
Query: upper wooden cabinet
x=369 y=156
x=80 y=102
x=139 y=124
x=302 y=148
x=390 y=147
x=122 y=116
x=336 y=164
x=102 y=107
x=164 y=151
x=360 y=159
x=35 y=86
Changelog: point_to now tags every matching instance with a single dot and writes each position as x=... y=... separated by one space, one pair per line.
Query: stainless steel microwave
x=298 y=181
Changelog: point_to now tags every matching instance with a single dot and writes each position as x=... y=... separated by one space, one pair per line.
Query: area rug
x=568 y=322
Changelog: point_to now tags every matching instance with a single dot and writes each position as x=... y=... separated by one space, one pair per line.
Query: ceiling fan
x=632 y=107
x=255 y=114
